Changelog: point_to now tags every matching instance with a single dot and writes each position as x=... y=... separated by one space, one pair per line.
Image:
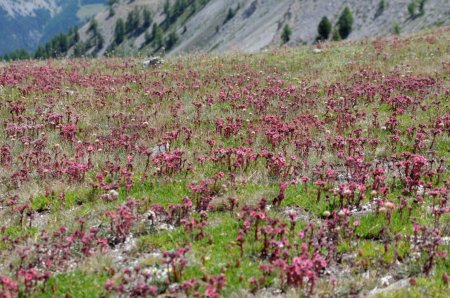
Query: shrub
x=324 y=28
x=286 y=35
x=336 y=36
x=396 y=28
x=345 y=23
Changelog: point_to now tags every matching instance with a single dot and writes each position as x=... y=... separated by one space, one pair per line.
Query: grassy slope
x=418 y=55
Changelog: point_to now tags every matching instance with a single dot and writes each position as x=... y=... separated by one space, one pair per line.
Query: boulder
x=152 y=62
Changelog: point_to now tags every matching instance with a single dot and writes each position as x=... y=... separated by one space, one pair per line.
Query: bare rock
x=152 y=62
x=391 y=286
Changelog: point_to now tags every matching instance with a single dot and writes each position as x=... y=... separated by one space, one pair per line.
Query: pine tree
x=171 y=40
x=99 y=42
x=381 y=5
x=345 y=23
x=286 y=35
x=148 y=37
x=154 y=28
x=93 y=25
x=158 y=38
x=132 y=20
x=381 y=8
x=147 y=16
x=119 y=31
x=76 y=35
x=40 y=53
x=422 y=7
x=63 y=43
x=412 y=9
x=324 y=28
x=166 y=9
x=230 y=15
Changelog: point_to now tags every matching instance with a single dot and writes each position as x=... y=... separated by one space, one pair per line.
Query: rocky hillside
x=246 y=25
x=27 y=23
x=258 y=23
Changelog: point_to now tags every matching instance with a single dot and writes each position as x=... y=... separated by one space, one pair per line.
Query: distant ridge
x=27 y=23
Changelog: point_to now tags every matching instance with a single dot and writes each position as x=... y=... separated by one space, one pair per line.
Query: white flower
x=385 y=280
x=420 y=190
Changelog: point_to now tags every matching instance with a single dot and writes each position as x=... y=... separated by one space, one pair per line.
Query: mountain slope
x=106 y=23
x=254 y=24
x=258 y=24
x=27 y=23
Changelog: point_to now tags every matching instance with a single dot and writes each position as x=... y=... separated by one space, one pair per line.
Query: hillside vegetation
x=286 y=173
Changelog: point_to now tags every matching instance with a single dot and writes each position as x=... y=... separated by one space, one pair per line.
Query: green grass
x=307 y=199
x=432 y=286
x=74 y=284
x=216 y=253
x=372 y=223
